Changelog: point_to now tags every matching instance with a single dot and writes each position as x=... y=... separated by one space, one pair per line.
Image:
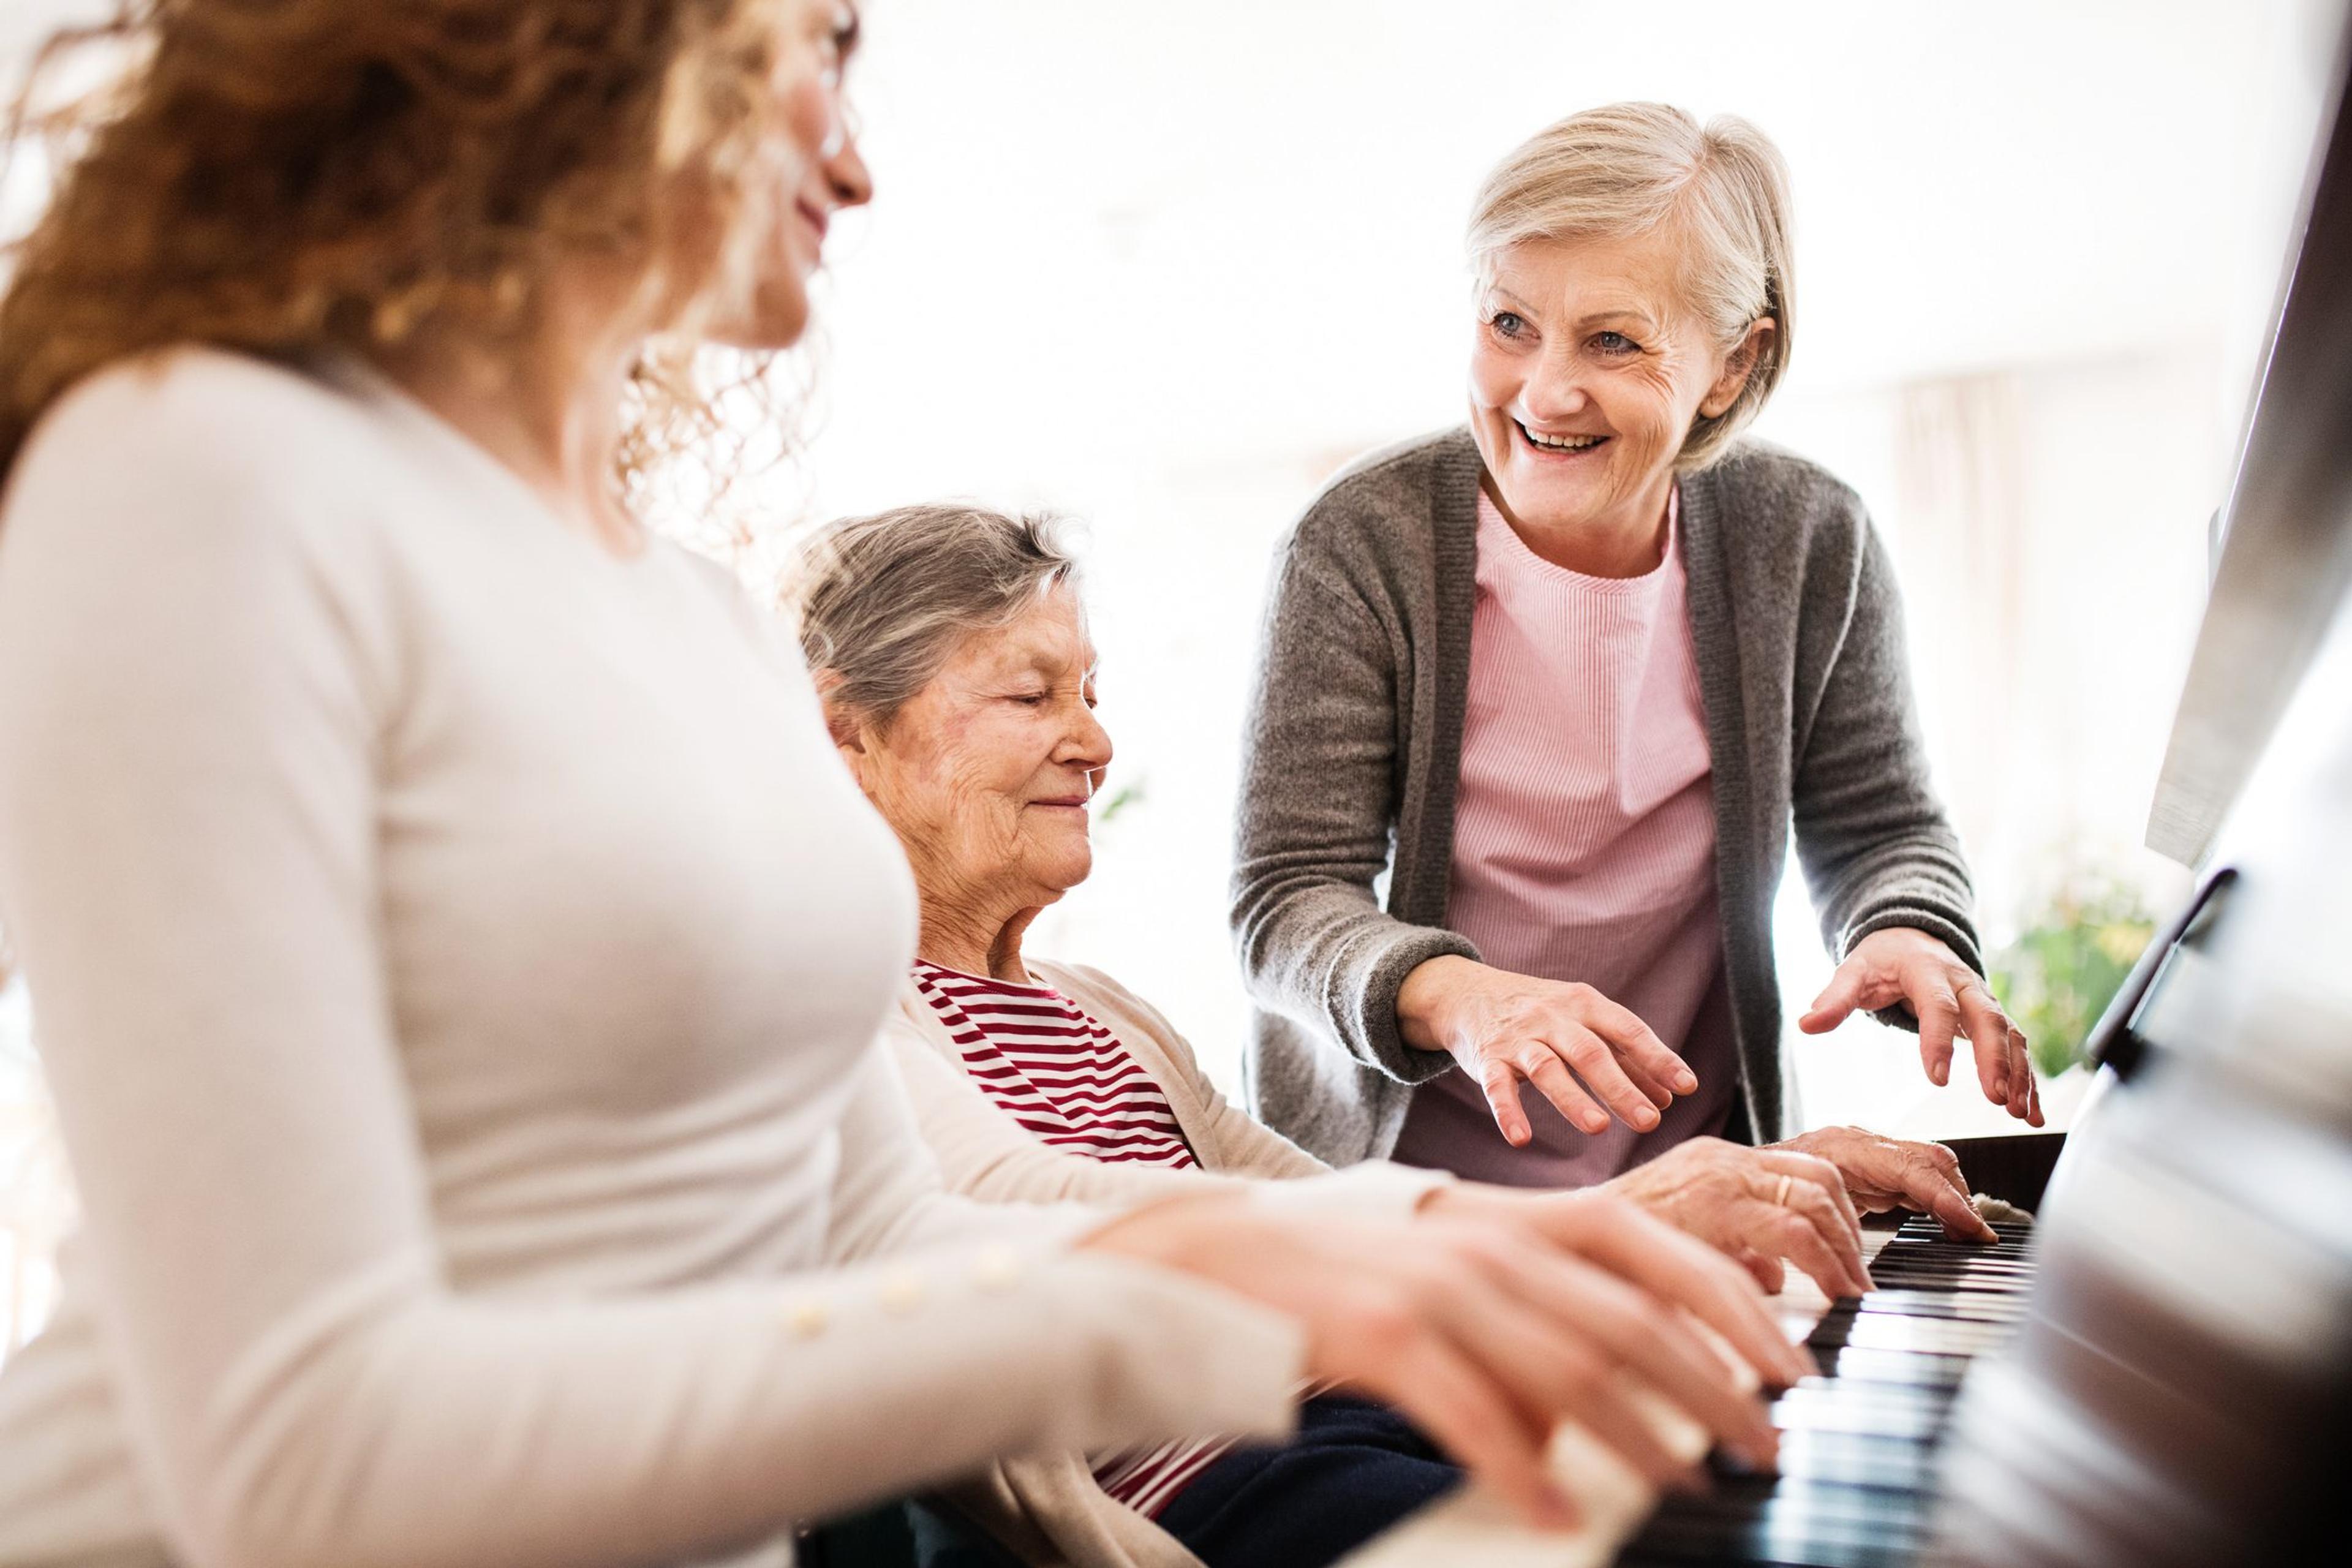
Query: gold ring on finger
x=1780 y=1193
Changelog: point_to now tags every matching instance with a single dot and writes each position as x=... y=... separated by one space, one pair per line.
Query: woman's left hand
x=1947 y=997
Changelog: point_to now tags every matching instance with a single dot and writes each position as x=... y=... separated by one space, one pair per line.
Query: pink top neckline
x=1494 y=530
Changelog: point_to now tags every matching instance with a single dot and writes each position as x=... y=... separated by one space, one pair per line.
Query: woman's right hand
x=1487 y=1333
x=1580 y=1049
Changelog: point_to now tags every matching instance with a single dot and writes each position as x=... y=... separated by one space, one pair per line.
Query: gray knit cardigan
x=1345 y=832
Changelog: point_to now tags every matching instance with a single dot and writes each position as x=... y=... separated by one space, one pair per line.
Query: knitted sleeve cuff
x=1954 y=934
x=1369 y=1010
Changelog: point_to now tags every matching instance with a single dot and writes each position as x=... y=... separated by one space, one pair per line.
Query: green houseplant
x=2068 y=963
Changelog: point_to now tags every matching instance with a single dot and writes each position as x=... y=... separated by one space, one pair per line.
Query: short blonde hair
x=1630 y=167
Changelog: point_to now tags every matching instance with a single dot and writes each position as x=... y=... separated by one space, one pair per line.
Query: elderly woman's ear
x=842 y=722
x=1738 y=366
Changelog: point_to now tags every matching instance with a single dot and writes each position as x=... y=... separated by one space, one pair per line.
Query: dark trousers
x=1354 y=1469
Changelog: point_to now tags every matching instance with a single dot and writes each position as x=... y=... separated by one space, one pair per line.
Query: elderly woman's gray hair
x=885 y=601
x=1631 y=167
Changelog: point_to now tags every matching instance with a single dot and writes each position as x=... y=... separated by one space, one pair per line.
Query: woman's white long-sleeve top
x=457 y=956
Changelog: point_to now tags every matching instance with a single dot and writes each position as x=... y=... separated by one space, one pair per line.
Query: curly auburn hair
x=282 y=177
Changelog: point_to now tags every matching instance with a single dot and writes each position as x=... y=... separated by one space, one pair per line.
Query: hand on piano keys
x=1884 y=1174
x=1488 y=1325
x=1852 y=1488
x=1756 y=1205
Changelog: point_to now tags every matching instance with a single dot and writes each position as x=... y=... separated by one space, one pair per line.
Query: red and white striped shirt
x=1054 y=1068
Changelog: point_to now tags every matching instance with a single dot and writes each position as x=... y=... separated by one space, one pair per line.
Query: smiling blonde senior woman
x=953 y=652
x=1563 y=679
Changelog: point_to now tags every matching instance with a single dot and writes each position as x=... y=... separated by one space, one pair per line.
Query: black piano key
x=1954 y=1306
x=1912 y=1368
x=1936 y=1246
x=1767 y=1553
x=1865 y=1422
x=1917 y=1423
x=2015 y=1270
x=1798 y=1522
x=1855 y=1459
x=2010 y=1273
x=1931 y=1335
x=1815 y=1391
x=2018 y=1274
x=1803 y=1554
x=1762 y=1542
x=1790 y=1499
x=1851 y=1458
x=1964 y=1286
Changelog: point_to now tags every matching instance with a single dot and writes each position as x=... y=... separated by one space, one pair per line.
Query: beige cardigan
x=1047 y=1508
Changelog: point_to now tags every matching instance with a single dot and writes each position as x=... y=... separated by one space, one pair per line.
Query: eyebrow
x=1039 y=662
x=1624 y=313
x=1634 y=317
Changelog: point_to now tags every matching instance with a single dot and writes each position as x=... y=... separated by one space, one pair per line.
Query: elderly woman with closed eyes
x=1564 y=680
x=958 y=675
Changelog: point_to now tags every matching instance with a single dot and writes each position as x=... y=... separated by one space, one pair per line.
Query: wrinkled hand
x=1947 y=997
x=1758 y=1206
x=1487 y=1333
x=1882 y=1173
x=1577 y=1048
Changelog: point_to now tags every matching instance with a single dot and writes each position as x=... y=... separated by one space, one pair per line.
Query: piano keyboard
x=1858 y=1443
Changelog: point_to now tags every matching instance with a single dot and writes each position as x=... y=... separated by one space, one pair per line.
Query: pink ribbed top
x=1584 y=842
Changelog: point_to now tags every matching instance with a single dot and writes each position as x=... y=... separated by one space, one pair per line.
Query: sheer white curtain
x=1945 y=466
x=1958 y=527
x=2048 y=521
x=2047 y=524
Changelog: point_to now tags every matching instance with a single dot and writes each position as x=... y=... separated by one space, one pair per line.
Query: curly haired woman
x=460 y=952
